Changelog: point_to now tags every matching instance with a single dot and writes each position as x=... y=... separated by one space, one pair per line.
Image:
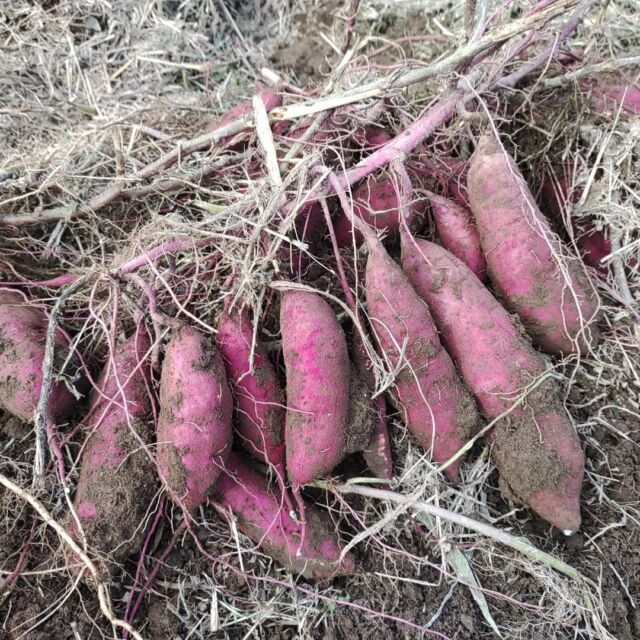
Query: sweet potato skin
x=317 y=371
x=261 y=515
x=434 y=404
x=525 y=259
x=458 y=233
x=535 y=447
x=376 y=202
x=117 y=479
x=270 y=99
x=23 y=331
x=259 y=399
x=194 y=426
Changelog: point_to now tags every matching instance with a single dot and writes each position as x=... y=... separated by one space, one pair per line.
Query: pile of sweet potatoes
x=455 y=324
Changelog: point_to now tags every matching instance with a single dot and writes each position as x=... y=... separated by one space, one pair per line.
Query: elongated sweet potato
x=525 y=259
x=435 y=405
x=458 y=233
x=194 y=427
x=259 y=400
x=23 y=331
x=535 y=446
x=117 y=479
x=317 y=371
x=261 y=516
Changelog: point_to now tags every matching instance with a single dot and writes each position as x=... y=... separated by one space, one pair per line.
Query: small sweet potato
x=376 y=202
x=259 y=509
x=435 y=405
x=270 y=99
x=317 y=371
x=259 y=400
x=23 y=330
x=117 y=478
x=458 y=233
x=194 y=427
x=535 y=446
x=594 y=244
x=525 y=259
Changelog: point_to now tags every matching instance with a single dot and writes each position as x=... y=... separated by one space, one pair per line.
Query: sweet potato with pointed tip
x=317 y=371
x=525 y=259
x=259 y=399
x=23 y=330
x=458 y=233
x=433 y=402
x=117 y=478
x=194 y=427
x=259 y=509
x=535 y=446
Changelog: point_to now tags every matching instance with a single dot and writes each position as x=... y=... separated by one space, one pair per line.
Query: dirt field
x=89 y=91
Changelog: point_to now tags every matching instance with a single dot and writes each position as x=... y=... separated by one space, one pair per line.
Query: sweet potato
x=117 y=478
x=23 y=331
x=259 y=399
x=435 y=405
x=609 y=96
x=525 y=259
x=270 y=98
x=458 y=233
x=376 y=202
x=317 y=371
x=593 y=243
x=259 y=510
x=535 y=447
x=194 y=427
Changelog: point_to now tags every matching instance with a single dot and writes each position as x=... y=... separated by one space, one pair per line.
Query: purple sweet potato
x=535 y=446
x=376 y=202
x=458 y=233
x=317 y=371
x=270 y=99
x=525 y=259
x=435 y=405
x=23 y=331
x=259 y=509
x=117 y=478
x=259 y=400
x=594 y=244
x=194 y=427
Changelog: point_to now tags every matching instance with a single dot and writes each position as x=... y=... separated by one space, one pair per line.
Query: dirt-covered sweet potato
x=535 y=446
x=259 y=399
x=117 y=478
x=262 y=516
x=434 y=403
x=194 y=426
x=317 y=371
x=376 y=202
x=23 y=330
x=458 y=233
x=526 y=261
